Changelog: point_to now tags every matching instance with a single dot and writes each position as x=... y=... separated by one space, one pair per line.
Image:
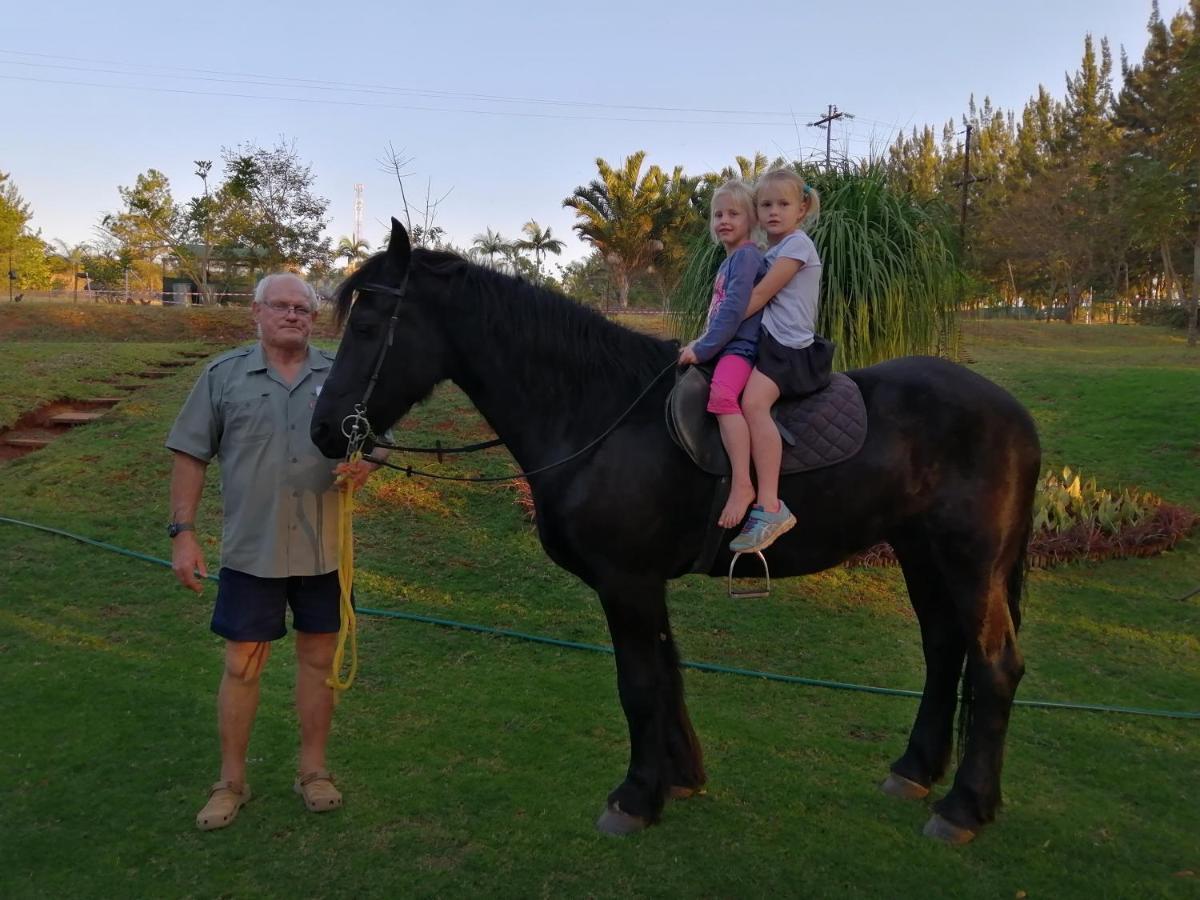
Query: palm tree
x=490 y=243
x=620 y=214
x=74 y=255
x=539 y=242
x=353 y=250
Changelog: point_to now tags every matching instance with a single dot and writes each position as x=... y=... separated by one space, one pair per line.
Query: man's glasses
x=283 y=309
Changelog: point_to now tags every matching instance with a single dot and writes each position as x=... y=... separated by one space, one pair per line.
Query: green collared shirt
x=280 y=503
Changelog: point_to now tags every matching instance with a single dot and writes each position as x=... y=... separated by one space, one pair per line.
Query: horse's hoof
x=899 y=786
x=679 y=792
x=941 y=829
x=616 y=822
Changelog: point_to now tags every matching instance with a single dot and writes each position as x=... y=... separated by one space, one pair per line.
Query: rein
x=357 y=429
x=410 y=471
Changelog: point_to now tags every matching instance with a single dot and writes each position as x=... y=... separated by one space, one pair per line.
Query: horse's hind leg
x=987 y=605
x=931 y=741
x=637 y=621
x=994 y=669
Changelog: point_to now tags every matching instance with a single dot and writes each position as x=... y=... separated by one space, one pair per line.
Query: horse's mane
x=539 y=327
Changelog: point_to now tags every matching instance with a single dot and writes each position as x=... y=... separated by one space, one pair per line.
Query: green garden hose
x=599 y=648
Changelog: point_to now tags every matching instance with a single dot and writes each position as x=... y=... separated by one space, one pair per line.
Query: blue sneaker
x=762 y=529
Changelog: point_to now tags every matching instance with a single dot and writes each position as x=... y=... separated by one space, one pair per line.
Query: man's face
x=285 y=315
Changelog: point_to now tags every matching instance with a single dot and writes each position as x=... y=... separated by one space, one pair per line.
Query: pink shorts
x=728 y=382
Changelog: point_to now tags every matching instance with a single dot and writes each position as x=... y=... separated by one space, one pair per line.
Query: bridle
x=356 y=428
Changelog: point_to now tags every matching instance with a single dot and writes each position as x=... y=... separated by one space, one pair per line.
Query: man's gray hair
x=260 y=290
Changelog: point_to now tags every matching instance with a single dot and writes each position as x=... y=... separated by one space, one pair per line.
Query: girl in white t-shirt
x=793 y=360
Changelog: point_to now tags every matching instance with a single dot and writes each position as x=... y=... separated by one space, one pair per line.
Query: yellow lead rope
x=348 y=626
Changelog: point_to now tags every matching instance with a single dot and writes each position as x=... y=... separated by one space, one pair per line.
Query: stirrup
x=763 y=590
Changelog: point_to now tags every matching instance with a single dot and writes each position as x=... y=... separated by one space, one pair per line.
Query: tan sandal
x=224 y=800
x=318 y=790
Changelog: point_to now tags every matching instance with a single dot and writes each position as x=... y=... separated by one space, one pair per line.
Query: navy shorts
x=797 y=373
x=250 y=608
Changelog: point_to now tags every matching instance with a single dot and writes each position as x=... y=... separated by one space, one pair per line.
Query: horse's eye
x=363 y=330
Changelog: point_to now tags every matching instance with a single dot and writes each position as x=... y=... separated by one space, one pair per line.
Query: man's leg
x=237 y=703
x=314 y=698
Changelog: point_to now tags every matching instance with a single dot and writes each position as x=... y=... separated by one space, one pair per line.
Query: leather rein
x=357 y=429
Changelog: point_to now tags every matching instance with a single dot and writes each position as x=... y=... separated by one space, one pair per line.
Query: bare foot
x=735 y=507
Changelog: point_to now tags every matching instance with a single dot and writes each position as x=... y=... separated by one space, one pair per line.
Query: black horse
x=946 y=476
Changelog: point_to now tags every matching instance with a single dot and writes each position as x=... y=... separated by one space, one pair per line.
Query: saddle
x=818 y=430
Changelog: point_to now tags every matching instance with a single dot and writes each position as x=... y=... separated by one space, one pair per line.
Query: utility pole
x=358 y=214
x=967 y=180
x=826 y=122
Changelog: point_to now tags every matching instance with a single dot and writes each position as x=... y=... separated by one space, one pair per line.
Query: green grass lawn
x=476 y=765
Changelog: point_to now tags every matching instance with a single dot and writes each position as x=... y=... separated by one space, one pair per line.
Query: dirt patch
x=42 y=426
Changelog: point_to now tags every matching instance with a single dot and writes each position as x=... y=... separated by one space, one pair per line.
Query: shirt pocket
x=248 y=420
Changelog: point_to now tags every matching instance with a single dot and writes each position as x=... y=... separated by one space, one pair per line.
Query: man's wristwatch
x=177 y=528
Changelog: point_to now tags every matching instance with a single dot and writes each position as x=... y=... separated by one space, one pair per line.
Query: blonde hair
x=806 y=195
x=740 y=192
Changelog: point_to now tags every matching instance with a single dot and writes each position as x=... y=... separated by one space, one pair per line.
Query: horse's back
x=940 y=396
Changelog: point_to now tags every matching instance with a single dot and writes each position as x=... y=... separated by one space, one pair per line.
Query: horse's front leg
x=637 y=622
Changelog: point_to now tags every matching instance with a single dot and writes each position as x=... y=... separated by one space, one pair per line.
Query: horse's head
x=391 y=354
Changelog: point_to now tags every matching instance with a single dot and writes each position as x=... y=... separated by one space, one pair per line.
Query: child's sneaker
x=762 y=529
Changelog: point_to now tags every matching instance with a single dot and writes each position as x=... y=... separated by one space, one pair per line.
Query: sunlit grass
x=475 y=765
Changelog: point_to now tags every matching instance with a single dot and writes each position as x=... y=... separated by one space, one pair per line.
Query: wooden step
x=35 y=443
x=74 y=417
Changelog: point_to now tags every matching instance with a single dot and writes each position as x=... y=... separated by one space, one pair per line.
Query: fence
x=132 y=297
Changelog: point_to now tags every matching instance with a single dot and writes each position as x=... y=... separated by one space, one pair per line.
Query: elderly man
x=251 y=409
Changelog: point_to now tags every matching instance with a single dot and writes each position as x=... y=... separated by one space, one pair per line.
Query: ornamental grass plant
x=889 y=283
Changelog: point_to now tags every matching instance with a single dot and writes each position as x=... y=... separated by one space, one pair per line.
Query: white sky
x=506 y=105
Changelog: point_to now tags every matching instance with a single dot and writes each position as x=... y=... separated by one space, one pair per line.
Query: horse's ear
x=399 y=250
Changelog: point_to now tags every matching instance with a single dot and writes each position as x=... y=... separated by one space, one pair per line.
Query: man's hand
x=687 y=356
x=187 y=559
x=356 y=473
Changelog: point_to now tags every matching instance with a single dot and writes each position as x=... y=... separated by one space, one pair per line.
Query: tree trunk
x=1072 y=302
x=622 y=278
x=1194 y=303
x=1168 y=269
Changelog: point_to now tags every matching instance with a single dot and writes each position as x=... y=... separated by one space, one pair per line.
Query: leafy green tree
x=74 y=260
x=152 y=225
x=539 y=242
x=621 y=214
x=24 y=254
x=272 y=212
x=353 y=251
x=491 y=244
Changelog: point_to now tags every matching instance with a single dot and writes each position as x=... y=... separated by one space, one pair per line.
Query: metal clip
x=356 y=429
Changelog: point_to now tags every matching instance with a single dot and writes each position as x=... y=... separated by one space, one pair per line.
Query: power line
x=404 y=106
x=260 y=80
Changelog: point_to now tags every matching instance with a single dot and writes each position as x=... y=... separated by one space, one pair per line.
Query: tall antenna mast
x=358 y=213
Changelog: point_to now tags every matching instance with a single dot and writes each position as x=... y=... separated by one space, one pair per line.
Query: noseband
x=355 y=427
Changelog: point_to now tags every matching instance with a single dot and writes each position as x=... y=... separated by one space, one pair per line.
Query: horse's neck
x=523 y=395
